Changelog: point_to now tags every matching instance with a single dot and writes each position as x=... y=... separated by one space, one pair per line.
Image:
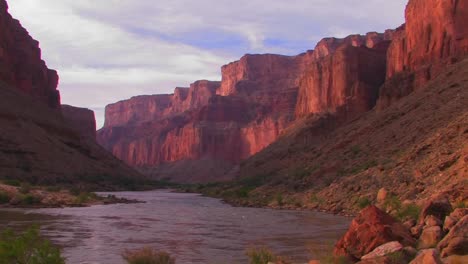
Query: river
x=192 y=228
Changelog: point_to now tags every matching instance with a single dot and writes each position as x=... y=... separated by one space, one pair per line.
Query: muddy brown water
x=193 y=228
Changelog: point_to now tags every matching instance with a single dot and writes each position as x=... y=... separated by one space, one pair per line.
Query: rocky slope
x=40 y=142
x=414 y=146
x=215 y=125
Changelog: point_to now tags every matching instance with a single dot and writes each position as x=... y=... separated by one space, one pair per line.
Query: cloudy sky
x=110 y=50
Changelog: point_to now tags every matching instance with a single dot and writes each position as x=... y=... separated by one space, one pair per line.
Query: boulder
x=439 y=207
x=370 y=229
x=454 y=217
x=430 y=237
x=455 y=259
x=382 y=196
x=432 y=221
x=427 y=256
x=384 y=250
x=456 y=241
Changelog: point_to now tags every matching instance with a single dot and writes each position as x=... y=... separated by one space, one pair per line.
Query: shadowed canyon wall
x=41 y=141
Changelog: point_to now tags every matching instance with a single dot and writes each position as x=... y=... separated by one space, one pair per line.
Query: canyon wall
x=21 y=65
x=41 y=142
x=82 y=120
x=435 y=35
x=258 y=98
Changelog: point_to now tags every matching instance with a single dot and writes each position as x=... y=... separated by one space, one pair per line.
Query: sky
x=110 y=50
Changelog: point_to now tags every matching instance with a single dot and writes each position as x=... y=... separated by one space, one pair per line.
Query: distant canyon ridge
x=203 y=132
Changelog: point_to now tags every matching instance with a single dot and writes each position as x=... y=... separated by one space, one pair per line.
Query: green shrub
x=25 y=188
x=4 y=198
x=279 y=199
x=147 y=256
x=30 y=199
x=392 y=202
x=261 y=255
x=27 y=248
x=12 y=182
x=85 y=197
x=363 y=202
x=408 y=211
x=314 y=198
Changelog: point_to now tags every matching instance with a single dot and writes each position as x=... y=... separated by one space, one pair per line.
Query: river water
x=192 y=228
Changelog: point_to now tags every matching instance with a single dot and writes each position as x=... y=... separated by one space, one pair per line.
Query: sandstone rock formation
x=21 y=65
x=369 y=230
x=435 y=34
x=256 y=100
x=81 y=120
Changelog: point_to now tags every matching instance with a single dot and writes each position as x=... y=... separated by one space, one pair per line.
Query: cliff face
x=82 y=120
x=39 y=143
x=248 y=110
x=21 y=65
x=225 y=121
x=349 y=78
x=260 y=96
x=435 y=35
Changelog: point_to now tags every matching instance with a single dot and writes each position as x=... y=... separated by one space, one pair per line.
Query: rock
x=430 y=237
x=456 y=241
x=352 y=89
x=409 y=224
x=370 y=229
x=455 y=259
x=434 y=34
x=411 y=252
x=21 y=64
x=384 y=250
x=432 y=221
x=427 y=256
x=81 y=120
x=454 y=217
x=449 y=223
x=416 y=230
x=438 y=207
x=459 y=213
x=382 y=195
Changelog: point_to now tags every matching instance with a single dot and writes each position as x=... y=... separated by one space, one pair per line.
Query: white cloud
x=109 y=50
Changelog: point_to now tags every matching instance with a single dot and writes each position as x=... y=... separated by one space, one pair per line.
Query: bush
x=85 y=197
x=392 y=202
x=147 y=256
x=28 y=247
x=25 y=188
x=363 y=202
x=279 y=199
x=15 y=183
x=260 y=256
x=4 y=198
x=408 y=211
x=30 y=199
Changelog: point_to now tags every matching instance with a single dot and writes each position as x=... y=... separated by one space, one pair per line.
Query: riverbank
x=24 y=195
